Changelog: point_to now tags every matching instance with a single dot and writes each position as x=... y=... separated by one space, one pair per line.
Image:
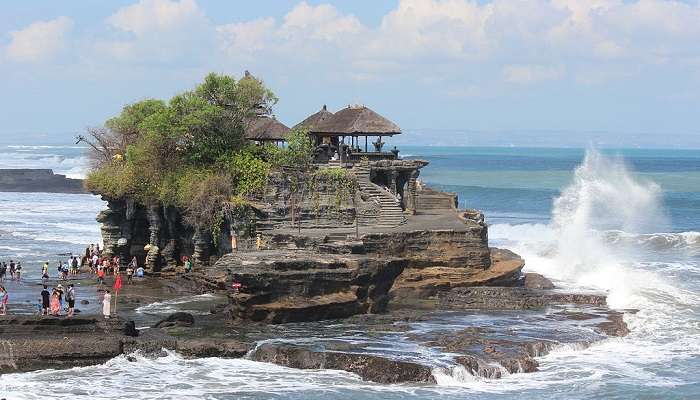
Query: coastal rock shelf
x=279 y=287
x=35 y=342
x=38 y=180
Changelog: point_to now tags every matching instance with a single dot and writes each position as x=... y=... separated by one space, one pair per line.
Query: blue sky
x=453 y=72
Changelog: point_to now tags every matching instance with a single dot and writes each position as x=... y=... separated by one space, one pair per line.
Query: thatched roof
x=357 y=120
x=265 y=128
x=314 y=119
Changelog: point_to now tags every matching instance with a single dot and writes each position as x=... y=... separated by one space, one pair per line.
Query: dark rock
x=488 y=356
x=512 y=298
x=536 y=281
x=368 y=367
x=35 y=342
x=176 y=319
x=213 y=348
x=614 y=326
x=84 y=302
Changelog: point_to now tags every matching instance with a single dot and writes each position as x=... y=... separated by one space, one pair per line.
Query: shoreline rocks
x=36 y=342
x=369 y=367
x=38 y=181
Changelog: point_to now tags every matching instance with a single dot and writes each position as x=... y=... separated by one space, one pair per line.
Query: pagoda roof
x=265 y=128
x=314 y=119
x=356 y=120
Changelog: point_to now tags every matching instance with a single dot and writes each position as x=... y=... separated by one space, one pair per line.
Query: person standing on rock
x=12 y=270
x=100 y=275
x=59 y=291
x=74 y=266
x=18 y=271
x=107 y=305
x=45 y=295
x=70 y=297
x=129 y=273
x=45 y=272
x=55 y=303
x=4 y=298
x=3 y=271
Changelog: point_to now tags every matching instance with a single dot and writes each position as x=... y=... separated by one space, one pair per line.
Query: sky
x=618 y=73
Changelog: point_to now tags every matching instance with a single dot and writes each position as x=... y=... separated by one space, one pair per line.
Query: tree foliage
x=190 y=151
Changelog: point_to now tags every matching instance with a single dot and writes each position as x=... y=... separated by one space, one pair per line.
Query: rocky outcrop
x=426 y=282
x=38 y=180
x=34 y=342
x=465 y=248
x=368 y=367
x=175 y=319
x=279 y=287
x=512 y=298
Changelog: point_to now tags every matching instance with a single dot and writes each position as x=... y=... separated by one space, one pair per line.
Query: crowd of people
x=57 y=300
x=14 y=269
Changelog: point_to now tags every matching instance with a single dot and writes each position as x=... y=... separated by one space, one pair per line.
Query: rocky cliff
x=38 y=180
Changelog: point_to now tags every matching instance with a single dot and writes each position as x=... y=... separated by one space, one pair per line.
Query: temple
x=352 y=138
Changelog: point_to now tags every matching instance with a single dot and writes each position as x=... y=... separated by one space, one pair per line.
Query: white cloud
x=39 y=41
x=247 y=37
x=148 y=16
x=528 y=74
x=322 y=22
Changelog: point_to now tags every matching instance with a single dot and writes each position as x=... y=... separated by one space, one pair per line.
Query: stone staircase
x=390 y=212
x=428 y=199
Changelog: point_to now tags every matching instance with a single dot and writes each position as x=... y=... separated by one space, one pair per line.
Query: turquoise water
x=519 y=184
x=625 y=222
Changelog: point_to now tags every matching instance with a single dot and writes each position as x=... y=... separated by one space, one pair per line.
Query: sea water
x=621 y=221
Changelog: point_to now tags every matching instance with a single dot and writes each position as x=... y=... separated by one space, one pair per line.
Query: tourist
x=107 y=305
x=45 y=272
x=129 y=273
x=4 y=298
x=100 y=275
x=74 y=265
x=18 y=271
x=59 y=268
x=188 y=266
x=59 y=290
x=70 y=297
x=45 y=301
x=64 y=271
x=55 y=303
x=139 y=272
x=12 y=270
x=3 y=271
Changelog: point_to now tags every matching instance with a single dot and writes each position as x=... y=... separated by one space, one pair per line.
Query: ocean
x=626 y=222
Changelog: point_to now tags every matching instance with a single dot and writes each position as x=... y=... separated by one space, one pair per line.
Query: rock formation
x=279 y=287
x=38 y=180
x=34 y=342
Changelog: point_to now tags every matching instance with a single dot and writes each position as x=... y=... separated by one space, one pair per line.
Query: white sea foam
x=174 y=305
x=600 y=238
x=66 y=160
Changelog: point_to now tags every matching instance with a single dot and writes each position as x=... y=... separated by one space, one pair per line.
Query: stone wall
x=316 y=209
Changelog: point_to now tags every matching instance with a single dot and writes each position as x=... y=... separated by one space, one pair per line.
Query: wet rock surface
x=512 y=298
x=368 y=367
x=176 y=319
x=36 y=342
